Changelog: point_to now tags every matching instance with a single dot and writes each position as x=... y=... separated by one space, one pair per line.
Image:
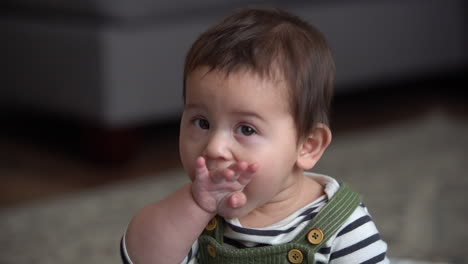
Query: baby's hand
x=220 y=190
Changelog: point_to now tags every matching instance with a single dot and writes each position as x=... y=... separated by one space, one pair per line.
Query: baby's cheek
x=195 y=134
x=256 y=186
x=188 y=162
x=252 y=150
x=253 y=141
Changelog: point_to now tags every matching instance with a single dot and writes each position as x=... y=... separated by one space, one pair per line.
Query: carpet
x=412 y=176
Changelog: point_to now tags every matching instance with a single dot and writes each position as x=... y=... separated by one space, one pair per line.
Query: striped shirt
x=357 y=241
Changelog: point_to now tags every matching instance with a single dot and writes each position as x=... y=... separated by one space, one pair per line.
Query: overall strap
x=304 y=246
x=330 y=218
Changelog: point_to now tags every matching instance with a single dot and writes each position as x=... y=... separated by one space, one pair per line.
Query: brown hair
x=268 y=41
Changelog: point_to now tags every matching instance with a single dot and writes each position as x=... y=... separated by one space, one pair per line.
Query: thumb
x=237 y=200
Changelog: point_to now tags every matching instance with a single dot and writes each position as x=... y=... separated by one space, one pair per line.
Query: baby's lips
x=212 y=166
x=222 y=166
x=217 y=168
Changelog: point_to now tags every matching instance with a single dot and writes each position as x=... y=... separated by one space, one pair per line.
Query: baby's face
x=240 y=118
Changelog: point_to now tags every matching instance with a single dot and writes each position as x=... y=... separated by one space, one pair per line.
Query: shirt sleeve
x=358 y=241
x=123 y=252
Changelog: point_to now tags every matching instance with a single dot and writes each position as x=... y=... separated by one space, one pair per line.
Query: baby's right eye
x=201 y=123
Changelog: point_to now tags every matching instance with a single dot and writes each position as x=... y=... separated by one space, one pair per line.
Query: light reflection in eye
x=245 y=130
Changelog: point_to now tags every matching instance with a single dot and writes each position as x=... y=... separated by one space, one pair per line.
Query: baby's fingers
x=201 y=171
x=239 y=167
x=220 y=176
x=232 y=173
x=246 y=176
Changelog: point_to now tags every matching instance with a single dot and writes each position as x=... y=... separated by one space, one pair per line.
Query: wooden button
x=315 y=236
x=295 y=256
x=211 y=251
x=212 y=224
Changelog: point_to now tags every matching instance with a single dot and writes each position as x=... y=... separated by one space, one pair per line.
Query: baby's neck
x=305 y=191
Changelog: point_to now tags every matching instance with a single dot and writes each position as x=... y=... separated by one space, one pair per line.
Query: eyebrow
x=248 y=113
x=192 y=106
x=239 y=113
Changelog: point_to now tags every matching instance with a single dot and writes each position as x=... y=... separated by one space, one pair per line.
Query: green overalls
x=301 y=249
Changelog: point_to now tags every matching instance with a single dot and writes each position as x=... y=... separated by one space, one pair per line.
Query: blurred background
x=90 y=99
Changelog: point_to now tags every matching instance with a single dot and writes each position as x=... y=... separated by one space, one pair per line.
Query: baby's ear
x=312 y=147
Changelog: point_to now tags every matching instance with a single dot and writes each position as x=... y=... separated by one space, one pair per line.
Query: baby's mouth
x=218 y=166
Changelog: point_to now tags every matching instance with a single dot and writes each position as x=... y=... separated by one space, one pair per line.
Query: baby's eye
x=201 y=123
x=245 y=130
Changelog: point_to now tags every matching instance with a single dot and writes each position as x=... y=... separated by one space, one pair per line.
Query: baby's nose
x=218 y=147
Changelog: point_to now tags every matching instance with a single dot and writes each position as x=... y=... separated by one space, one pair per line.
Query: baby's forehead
x=272 y=86
x=267 y=82
x=274 y=78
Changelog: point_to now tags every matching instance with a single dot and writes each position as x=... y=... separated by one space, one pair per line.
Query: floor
x=42 y=157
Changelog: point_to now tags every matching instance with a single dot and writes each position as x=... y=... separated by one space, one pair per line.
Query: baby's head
x=257 y=88
x=274 y=45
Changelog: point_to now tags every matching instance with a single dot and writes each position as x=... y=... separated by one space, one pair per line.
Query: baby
x=257 y=90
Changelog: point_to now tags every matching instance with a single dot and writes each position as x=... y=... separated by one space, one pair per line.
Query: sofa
x=119 y=63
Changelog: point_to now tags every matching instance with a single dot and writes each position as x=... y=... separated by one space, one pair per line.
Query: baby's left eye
x=245 y=130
